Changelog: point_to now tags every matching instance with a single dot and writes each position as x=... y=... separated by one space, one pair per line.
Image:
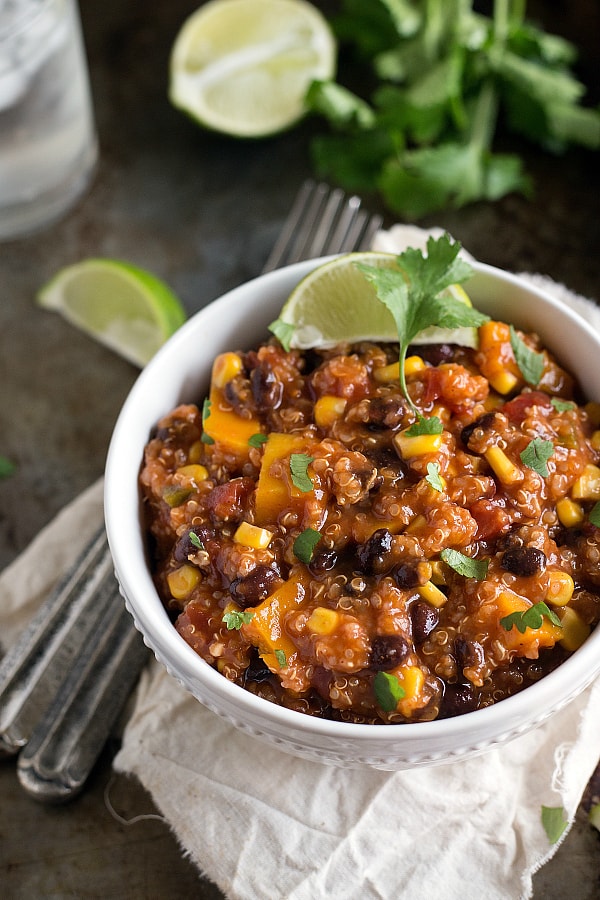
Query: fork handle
x=67 y=741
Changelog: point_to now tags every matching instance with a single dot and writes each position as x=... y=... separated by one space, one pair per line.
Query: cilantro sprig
x=444 y=76
x=234 y=619
x=299 y=463
x=529 y=361
x=412 y=294
x=533 y=617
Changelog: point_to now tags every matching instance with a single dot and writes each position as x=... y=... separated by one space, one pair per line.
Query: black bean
x=485 y=422
x=266 y=389
x=424 y=618
x=184 y=546
x=257 y=670
x=323 y=562
x=373 y=553
x=434 y=354
x=458 y=699
x=407 y=575
x=255 y=587
x=467 y=653
x=388 y=651
x=525 y=561
x=384 y=412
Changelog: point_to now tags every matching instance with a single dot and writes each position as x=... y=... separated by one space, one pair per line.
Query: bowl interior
x=180 y=373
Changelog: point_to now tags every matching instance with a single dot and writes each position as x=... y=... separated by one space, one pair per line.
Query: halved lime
x=335 y=303
x=243 y=67
x=124 y=307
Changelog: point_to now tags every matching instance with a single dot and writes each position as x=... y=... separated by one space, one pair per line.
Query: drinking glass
x=48 y=145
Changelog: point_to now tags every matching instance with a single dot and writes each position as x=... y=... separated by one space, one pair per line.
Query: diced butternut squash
x=412 y=682
x=275 y=491
x=532 y=640
x=266 y=628
x=225 y=427
x=328 y=409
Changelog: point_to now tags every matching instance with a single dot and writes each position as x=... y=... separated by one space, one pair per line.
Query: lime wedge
x=122 y=306
x=242 y=67
x=335 y=303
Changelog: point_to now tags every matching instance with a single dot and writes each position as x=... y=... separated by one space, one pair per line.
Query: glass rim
x=26 y=16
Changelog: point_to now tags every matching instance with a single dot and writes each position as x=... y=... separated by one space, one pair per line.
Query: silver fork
x=65 y=682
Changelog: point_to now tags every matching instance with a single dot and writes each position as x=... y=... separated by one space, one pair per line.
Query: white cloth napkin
x=264 y=825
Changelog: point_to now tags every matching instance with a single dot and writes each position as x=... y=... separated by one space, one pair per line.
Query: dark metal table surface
x=202 y=212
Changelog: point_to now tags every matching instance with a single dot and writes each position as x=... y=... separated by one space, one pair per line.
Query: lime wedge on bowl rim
x=124 y=307
x=335 y=303
x=242 y=67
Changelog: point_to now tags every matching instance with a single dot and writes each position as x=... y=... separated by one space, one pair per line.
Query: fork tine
x=322 y=221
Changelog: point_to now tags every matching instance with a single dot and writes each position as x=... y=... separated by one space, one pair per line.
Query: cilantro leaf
x=465 y=565
x=595 y=514
x=433 y=477
x=257 y=440
x=195 y=540
x=283 y=331
x=412 y=294
x=281 y=658
x=536 y=455
x=532 y=617
x=388 y=691
x=299 y=463
x=206 y=438
x=7 y=467
x=562 y=405
x=305 y=543
x=234 y=619
x=554 y=822
x=431 y=425
x=530 y=363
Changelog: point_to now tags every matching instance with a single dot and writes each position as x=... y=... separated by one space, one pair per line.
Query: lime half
x=122 y=306
x=335 y=303
x=242 y=67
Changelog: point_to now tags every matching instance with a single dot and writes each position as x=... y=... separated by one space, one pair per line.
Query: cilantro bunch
x=445 y=75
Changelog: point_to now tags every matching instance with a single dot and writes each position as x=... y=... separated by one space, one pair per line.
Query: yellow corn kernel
x=225 y=367
x=196 y=452
x=438 y=575
x=587 y=486
x=328 y=409
x=442 y=412
x=595 y=440
x=569 y=512
x=385 y=374
x=414 y=364
x=416 y=525
x=419 y=445
x=323 y=620
x=560 y=588
x=252 y=536
x=195 y=472
x=574 y=630
x=593 y=411
x=432 y=594
x=506 y=470
x=182 y=581
x=492 y=402
x=504 y=382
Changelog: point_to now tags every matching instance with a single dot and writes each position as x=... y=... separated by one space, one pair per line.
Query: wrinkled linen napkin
x=264 y=825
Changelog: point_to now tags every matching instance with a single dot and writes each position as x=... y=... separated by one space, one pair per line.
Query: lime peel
x=335 y=304
x=243 y=67
x=121 y=305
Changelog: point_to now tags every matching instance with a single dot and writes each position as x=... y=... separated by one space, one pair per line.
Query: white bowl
x=180 y=373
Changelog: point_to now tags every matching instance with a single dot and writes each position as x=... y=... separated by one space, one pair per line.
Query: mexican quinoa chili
x=320 y=551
